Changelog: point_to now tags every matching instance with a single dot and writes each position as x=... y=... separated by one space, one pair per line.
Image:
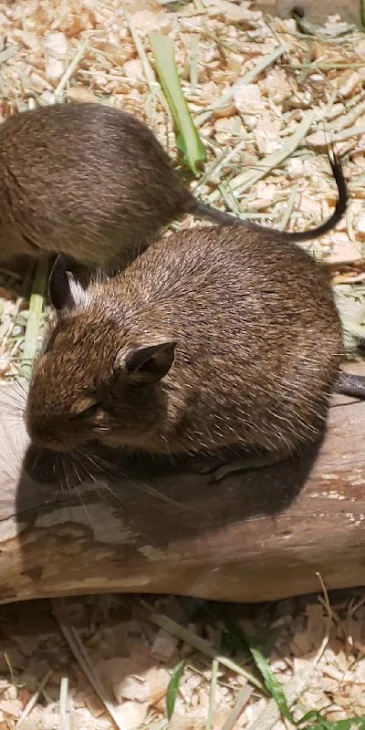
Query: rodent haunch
x=212 y=339
x=94 y=183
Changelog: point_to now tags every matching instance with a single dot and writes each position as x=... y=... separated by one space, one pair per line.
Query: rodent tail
x=352 y=385
x=202 y=210
x=206 y=211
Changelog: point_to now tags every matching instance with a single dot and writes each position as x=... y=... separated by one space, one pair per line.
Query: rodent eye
x=88 y=412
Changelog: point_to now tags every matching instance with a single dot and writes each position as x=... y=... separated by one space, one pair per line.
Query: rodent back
x=94 y=182
x=228 y=339
x=87 y=180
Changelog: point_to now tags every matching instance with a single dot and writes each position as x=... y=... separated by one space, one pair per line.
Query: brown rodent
x=94 y=183
x=211 y=339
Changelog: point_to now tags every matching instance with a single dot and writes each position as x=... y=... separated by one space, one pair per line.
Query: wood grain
x=255 y=536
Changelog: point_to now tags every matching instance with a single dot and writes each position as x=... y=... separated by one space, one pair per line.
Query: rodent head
x=98 y=377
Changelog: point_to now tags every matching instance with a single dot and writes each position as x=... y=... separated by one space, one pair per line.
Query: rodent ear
x=150 y=362
x=64 y=291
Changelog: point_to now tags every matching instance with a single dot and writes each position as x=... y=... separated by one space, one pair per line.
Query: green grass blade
x=353 y=723
x=311 y=715
x=188 y=139
x=271 y=683
x=173 y=688
x=362 y=14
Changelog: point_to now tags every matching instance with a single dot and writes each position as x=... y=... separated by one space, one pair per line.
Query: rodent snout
x=50 y=443
x=44 y=436
x=55 y=445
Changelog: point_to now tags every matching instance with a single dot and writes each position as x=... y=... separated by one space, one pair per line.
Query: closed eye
x=88 y=412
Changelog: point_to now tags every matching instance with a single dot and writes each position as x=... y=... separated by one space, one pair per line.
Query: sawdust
x=133 y=659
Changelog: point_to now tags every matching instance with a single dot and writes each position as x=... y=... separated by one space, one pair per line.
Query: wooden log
x=255 y=536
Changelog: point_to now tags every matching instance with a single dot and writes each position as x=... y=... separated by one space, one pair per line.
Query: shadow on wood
x=256 y=536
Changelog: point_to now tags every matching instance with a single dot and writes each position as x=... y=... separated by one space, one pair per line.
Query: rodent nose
x=44 y=440
x=44 y=434
x=57 y=445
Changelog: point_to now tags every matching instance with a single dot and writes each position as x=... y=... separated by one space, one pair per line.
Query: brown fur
x=85 y=180
x=258 y=342
x=94 y=183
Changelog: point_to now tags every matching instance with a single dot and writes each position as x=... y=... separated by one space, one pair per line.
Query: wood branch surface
x=256 y=536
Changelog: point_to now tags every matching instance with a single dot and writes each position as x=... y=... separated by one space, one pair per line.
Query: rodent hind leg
x=220 y=465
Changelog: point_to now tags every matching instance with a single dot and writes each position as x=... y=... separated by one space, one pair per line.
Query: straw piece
x=74 y=642
x=64 y=712
x=33 y=700
x=212 y=694
x=289 y=209
x=58 y=94
x=153 y=83
x=201 y=645
x=240 y=703
x=34 y=317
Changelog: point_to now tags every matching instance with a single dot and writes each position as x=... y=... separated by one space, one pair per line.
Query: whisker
x=100 y=487
x=88 y=473
x=12 y=404
x=110 y=470
x=64 y=462
x=36 y=460
x=22 y=386
x=61 y=476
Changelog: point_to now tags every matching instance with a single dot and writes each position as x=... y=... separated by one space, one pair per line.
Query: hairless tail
x=352 y=385
x=206 y=211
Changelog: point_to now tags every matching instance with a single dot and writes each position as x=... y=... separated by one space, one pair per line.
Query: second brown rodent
x=211 y=339
x=94 y=183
